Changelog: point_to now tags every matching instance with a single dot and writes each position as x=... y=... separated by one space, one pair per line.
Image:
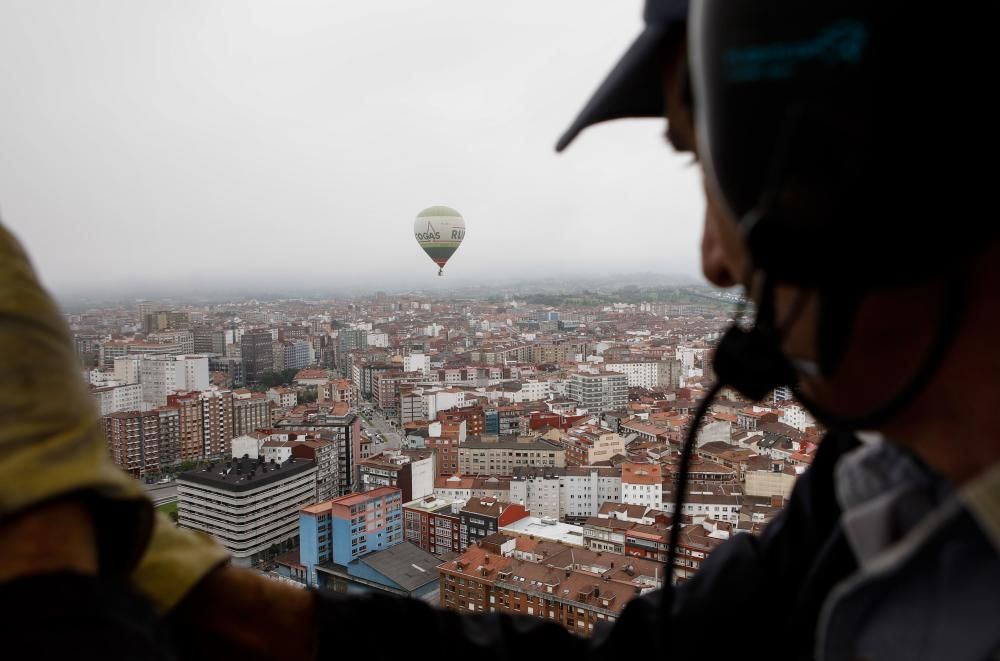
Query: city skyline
x=73 y=300
x=553 y=416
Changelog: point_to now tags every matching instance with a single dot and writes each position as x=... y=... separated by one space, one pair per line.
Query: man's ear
x=678 y=98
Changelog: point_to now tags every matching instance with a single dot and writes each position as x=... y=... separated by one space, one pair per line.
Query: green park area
x=168 y=508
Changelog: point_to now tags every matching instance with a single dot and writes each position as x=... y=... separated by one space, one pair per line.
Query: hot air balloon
x=439 y=231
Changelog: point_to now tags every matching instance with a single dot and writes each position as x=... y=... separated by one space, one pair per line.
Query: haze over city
x=161 y=147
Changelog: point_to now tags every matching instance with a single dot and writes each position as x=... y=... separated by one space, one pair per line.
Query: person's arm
x=52 y=449
x=64 y=506
x=237 y=613
x=54 y=537
x=783 y=573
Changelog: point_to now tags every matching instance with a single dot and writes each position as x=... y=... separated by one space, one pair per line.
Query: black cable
x=680 y=486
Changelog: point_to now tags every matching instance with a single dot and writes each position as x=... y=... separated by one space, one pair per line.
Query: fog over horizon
x=210 y=145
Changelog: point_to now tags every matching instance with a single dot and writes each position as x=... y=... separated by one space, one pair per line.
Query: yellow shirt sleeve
x=52 y=444
x=175 y=560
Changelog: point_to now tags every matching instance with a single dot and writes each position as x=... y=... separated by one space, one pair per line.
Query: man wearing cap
x=886 y=549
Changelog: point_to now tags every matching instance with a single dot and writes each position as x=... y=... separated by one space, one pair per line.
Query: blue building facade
x=344 y=529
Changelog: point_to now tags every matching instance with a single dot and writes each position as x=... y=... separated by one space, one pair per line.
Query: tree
x=270 y=378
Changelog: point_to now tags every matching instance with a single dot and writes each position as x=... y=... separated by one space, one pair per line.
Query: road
x=162 y=493
x=375 y=423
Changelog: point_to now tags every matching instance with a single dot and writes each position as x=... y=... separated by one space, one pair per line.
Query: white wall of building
x=559 y=387
x=378 y=339
x=769 y=483
x=442 y=400
x=795 y=416
x=647 y=495
x=453 y=494
x=567 y=495
x=688 y=356
x=539 y=495
x=163 y=375
x=422 y=477
x=127 y=369
x=640 y=375
x=245 y=445
x=578 y=495
x=127 y=398
x=417 y=362
x=283 y=398
x=116 y=399
x=103 y=379
x=278 y=454
x=158 y=376
x=532 y=391
x=195 y=372
x=590 y=492
x=721 y=508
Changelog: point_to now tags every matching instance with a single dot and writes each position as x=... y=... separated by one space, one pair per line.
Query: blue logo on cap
x=841 y=42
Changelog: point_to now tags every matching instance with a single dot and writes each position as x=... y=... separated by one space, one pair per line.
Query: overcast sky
x=190 y=141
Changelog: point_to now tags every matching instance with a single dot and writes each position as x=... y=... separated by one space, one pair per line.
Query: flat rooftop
x=245 y=474
x=509 y=443
x=555 y=531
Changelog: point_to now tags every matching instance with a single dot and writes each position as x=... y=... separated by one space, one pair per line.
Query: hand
x=237 y=613
x=54 y=537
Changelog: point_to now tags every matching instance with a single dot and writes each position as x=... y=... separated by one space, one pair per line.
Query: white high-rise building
x=377 y=339
x=532 y=391
x=127 y=369
x=688 y=357
x=602 y=391
x=794 y=415
x=642 y=484
x=249 y=506
x=640 y=374
x=293 y=354
x=163 y=375
x=115 y=399
x=417 y=362
x=584 y=489
x=565 y=493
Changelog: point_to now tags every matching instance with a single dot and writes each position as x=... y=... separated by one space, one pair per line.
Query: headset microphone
x=750 y=362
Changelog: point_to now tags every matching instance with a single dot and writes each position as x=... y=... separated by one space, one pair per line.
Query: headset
x=807 y=115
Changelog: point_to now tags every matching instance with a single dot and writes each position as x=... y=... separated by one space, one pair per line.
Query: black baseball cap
x=634 y=88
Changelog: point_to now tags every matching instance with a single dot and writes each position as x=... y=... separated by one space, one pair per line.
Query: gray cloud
x=273 y=142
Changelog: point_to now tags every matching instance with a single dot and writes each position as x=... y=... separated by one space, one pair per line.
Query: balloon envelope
x=439 y=231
